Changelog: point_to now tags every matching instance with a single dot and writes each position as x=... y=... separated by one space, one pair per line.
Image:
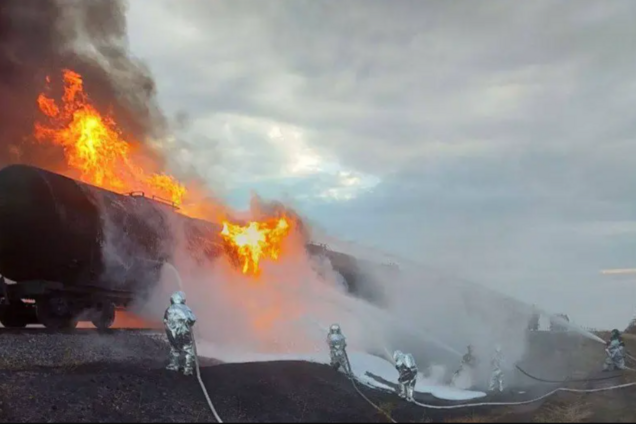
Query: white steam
x=288 y=308
x=292 y=303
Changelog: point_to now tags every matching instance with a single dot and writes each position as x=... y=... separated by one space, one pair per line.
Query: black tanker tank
x=55 y=228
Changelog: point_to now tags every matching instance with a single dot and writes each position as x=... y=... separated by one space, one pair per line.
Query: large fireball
x=256 y=240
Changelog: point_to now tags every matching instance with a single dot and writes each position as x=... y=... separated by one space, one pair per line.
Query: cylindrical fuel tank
x=58 y=229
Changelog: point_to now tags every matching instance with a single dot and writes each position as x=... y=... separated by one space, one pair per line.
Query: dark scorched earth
x=119 y=376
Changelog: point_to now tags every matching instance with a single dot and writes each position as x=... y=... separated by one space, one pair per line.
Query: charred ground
x=119 y=377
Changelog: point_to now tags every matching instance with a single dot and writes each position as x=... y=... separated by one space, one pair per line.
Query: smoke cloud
x=40 y=39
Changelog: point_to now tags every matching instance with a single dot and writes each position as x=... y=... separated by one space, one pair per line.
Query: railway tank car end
x=76 y=251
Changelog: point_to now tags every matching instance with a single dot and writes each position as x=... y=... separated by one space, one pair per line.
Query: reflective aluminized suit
x=405 y=364
x=178 y=321
x=337 y=345
x=466 y=366
x=615 y=353
x=497 y=375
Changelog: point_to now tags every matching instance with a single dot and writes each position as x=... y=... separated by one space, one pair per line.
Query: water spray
x=414 y=265
x=175 y=273
x=388 y=354
x=373 y=310
x=570 y=326
x=167 y=264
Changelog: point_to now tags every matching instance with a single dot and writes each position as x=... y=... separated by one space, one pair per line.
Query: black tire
x=47 y=316
x=9 y=321
x=104 y=316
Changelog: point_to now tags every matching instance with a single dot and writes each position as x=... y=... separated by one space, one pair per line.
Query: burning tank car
x=75 y=251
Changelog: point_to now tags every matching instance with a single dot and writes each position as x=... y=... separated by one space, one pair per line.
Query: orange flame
x=95 y=147
x=256 y=240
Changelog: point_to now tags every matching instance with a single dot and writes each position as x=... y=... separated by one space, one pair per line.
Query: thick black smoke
x=43 y=37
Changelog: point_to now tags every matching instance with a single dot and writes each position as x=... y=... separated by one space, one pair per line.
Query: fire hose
x=218 y=418
x=352 y=378
x=630 y=356
x=473 y=405
x=525 y=402
x=194 y=345
x=205 y=391
x=584 y=380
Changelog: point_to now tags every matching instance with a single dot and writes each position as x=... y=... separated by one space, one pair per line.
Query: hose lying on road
x=352 y=378
x=584 y=380
x=524 y=402
x=355 y=386
x=205 y=391
x=194 y=345
x=630 y=356
x=218 y=418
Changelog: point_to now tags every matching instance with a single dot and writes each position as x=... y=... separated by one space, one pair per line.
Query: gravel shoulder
x=120 y=377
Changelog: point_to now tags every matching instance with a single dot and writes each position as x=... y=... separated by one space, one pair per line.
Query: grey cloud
x=440 y=62
x=502 y=130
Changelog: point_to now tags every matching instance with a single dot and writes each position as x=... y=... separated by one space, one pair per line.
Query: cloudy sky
x=491 y=140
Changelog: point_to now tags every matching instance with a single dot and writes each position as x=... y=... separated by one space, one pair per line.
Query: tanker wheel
x=104 y=316
x=9 y=321
x=53 y=314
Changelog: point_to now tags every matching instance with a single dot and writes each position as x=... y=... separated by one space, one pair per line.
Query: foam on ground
x=363 y=365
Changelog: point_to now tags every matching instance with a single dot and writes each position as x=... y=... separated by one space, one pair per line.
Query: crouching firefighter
x=407 y=369
x=178 y=321
x=337 y=349
x=615 y=350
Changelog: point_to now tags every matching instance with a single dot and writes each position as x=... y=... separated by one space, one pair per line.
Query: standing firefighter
x=533 y=322
x=337 y=345
x=615 y=352
x=178 y=321
x=465 y=367
x=405 y=364
x=497 y=375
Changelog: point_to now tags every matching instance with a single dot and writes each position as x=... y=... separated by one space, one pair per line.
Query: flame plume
x=255 y=241
x=94 y=146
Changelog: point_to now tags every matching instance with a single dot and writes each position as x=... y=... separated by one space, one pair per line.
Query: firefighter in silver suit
x=337 y=345
x=466 y=367
x=497 y=374
x=405 y=364
x=615 y=350
x=178 y=321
